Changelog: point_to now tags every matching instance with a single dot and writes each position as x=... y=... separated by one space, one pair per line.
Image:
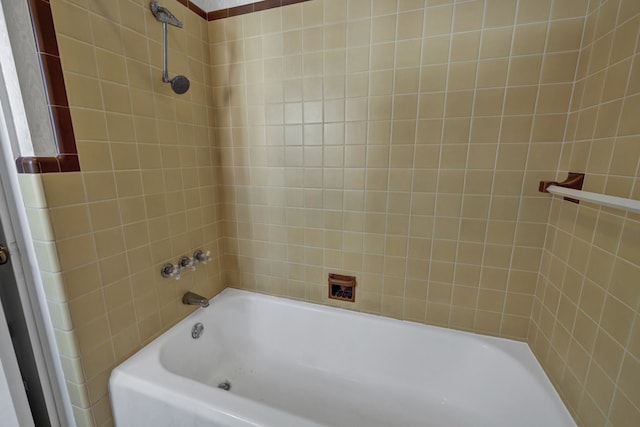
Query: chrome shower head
x=180 y=84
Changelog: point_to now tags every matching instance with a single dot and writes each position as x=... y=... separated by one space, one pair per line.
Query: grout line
x=366 y=148
x=493 y=182
x=413 y=168
x=465 y=182
x=437 y=175
x=388 y=166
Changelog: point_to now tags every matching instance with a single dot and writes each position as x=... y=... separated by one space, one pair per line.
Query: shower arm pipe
x=165 y=70
x=571 y=190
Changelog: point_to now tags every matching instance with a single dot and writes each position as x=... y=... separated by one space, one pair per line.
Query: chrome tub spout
x=194 y=299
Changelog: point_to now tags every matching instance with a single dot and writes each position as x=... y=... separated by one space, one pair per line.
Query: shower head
x=163 y=15
x=179 y=84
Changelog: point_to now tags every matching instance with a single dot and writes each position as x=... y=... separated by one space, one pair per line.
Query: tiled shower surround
x=398 y=141
x=147 y=193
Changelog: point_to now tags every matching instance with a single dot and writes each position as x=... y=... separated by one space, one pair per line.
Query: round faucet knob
x=187 y=262
x=200 y=256
x=169 y=270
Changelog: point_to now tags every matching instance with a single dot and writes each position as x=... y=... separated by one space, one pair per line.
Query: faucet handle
x=203 y=257
x=169 y=270
x=187 y=262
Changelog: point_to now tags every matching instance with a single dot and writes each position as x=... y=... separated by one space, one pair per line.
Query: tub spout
x=194 y=299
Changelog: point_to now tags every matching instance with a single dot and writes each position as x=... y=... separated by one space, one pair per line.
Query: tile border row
x=237 y=10
x=249 y=8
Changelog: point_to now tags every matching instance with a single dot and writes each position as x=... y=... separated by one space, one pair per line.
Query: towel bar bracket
x=571 y=189
x=574 y=181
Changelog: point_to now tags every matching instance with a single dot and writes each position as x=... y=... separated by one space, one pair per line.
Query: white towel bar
x=600 y=199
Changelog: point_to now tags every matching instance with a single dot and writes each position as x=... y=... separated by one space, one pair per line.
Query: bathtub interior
x=339 y=368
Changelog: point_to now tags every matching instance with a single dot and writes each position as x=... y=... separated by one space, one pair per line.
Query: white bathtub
x=302 y=365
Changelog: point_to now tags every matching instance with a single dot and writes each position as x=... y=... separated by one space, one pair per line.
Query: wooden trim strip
x=237 y=10
x=60 y=163
x=194 y=8
x=53 y=77
x=249 y=8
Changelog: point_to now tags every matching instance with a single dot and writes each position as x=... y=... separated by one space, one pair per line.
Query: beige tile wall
x=585 y=324
x=398 y=141
x=147 y=194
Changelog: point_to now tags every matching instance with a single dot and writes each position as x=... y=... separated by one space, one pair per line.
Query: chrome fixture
x=187 y=262
x=163 y=15
x=194 y=299
x=170 y=271
x=203 y=257
x=179 y=84
x=196 y=331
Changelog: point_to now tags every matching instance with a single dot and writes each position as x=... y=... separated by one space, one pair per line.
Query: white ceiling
x=211 y=5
